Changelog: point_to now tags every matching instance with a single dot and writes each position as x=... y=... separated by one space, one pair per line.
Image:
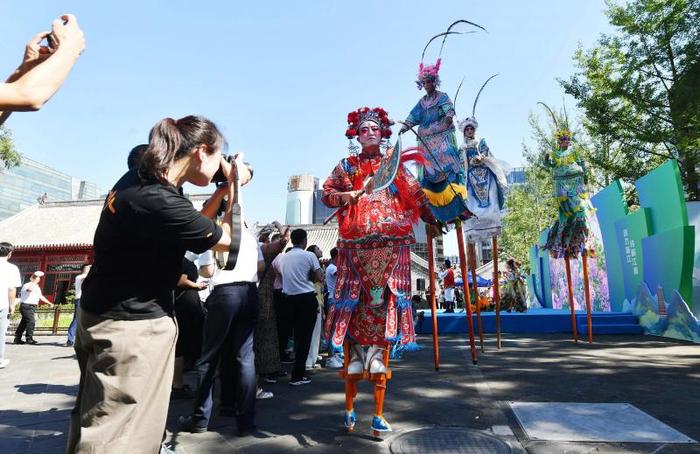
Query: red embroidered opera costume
x=372 y=301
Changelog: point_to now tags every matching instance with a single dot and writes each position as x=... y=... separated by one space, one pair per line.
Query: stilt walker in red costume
x=372 y=301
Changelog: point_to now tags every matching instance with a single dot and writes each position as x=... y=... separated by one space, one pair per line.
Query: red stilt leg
x=433 y=303
x=570 y=287
x=587 y=294
x=496 y=291
x=472 y=265
x=465 y=288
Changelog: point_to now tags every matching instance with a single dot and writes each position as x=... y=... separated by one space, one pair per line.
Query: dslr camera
x=220 y=178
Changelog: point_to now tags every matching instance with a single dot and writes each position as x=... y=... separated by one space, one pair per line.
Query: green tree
x=530 y=208
x=9 y=156
x=638 y=89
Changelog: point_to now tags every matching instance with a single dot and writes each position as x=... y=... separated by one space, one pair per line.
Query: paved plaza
x=657 y=376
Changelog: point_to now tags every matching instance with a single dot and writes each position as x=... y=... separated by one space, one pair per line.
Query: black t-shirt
x=144 y=230
x=189 y=269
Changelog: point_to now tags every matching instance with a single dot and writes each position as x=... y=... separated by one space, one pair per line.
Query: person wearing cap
x=29 y=298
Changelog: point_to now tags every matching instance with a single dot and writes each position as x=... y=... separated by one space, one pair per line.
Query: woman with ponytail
x=126 y=335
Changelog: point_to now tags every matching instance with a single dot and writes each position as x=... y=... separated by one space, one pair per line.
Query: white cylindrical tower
x=300 y=199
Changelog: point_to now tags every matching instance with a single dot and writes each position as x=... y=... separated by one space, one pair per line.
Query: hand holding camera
x=65 y=34
x=224 y=174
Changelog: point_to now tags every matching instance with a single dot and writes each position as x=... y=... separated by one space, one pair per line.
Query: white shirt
x=277 y=266
x=331 y=278
x=246 y=269
x=79 y=285
x=30 y=294
x=297 y=267
x=9 y=278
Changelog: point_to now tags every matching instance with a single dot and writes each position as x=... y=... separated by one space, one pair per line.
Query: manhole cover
x=448 y=440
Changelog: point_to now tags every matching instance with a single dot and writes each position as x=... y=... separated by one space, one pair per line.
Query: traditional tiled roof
x=323 y=236
x=326 y=238
x=59 y=224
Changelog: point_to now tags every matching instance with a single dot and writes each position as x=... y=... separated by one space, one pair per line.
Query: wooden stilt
x=465 y=287
x=472 y=265
x=587 y=295
x=571 y=299
x=433 y=302
x=496 y=289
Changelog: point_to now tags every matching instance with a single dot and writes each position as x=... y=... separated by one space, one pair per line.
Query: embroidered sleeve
x=414 y=118
x=338 y=181
x=484 y=149
x=447 y=107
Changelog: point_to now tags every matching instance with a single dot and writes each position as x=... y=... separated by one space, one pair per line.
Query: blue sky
x=280 y=77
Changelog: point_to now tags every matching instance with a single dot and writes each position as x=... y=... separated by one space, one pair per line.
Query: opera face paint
x=469 y=132
x=369 y=134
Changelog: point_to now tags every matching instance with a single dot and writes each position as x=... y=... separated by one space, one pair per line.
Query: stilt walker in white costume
x=486 y=185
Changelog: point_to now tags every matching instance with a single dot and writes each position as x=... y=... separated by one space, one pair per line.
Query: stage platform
x=533 y=321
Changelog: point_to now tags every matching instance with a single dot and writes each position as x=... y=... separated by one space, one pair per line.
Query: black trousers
x=304 y=309
x=190 y=323
x=28 y=321
x=283 y=312
x=228 y=341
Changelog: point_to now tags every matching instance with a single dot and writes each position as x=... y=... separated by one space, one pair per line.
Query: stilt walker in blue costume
x=486 y=185
x=442 y=176
x=567 y=237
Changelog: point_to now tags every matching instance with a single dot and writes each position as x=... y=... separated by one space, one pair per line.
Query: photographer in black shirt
x=126 y=332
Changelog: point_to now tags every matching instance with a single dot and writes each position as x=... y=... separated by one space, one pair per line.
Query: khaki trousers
x=126 y=371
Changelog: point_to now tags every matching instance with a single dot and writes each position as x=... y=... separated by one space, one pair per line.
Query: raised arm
x=42 y=71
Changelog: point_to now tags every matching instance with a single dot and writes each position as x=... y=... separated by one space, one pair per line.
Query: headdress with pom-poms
x=359 y=116
x=430 y=72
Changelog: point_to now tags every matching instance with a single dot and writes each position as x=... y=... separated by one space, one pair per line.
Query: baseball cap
x=38 y=273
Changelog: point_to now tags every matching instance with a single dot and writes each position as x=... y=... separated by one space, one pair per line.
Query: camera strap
x=236 y=227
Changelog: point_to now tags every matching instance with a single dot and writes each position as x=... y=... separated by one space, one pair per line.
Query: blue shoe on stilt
x=379 y=424
x=350 y=420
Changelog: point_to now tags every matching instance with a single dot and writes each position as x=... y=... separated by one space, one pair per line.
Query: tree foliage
x=9 y=156
x=530 y=208
x=639 y=90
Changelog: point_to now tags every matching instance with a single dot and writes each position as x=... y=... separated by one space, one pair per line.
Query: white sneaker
x=334 y=362
x=375 y=360
x=4 y=363
x=357 y=356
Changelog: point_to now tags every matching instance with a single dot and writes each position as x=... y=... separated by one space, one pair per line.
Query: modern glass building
x=32 y=182
x=516 y=176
